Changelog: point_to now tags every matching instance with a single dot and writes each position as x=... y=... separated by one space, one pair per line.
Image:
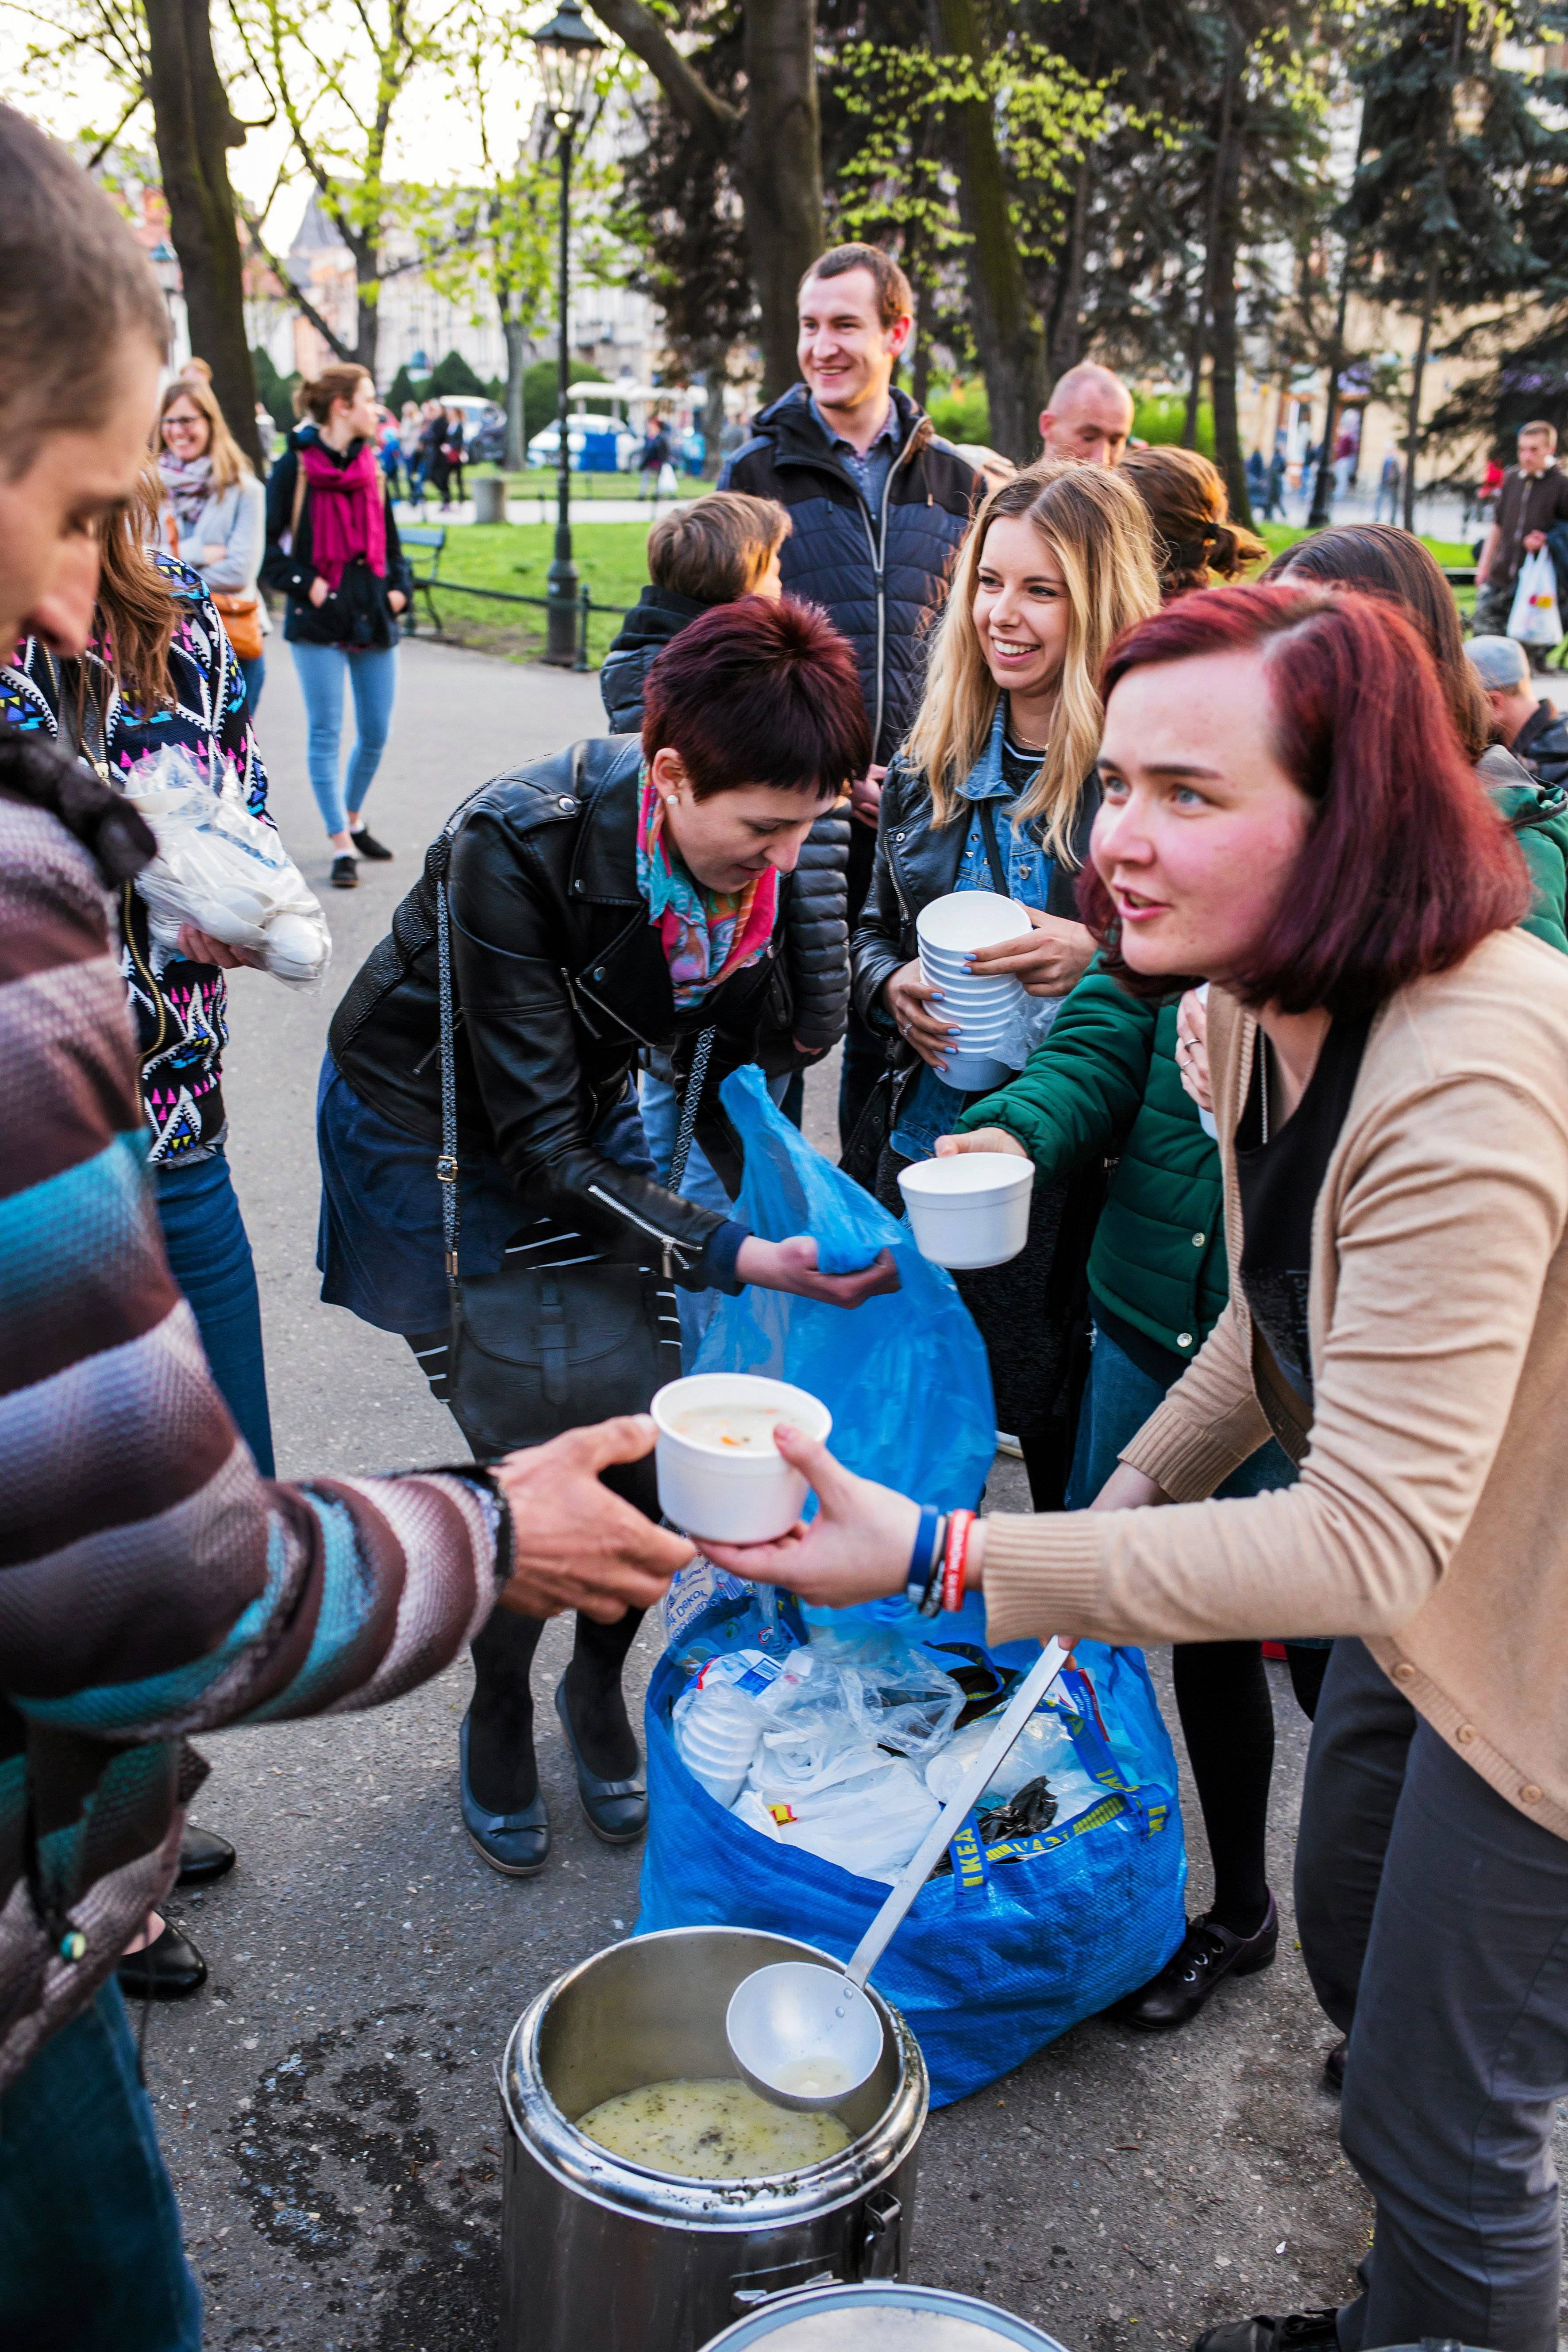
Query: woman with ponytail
x=332 y=550
x=1197 y=543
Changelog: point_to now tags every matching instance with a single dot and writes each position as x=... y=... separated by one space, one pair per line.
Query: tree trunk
x=780 y=171
x=367 y=309
x=517 y=343
x=1007 y=328
x=1227 y=245
x=1065 y=340
x=1230 y=74
x=194 y=129
x=1413 y=424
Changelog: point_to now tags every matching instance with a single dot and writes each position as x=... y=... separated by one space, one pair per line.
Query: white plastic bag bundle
x=224 y=870
x=869 y=1825
x=1533 y=617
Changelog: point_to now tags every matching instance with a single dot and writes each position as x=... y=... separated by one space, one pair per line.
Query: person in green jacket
x=1382 y=561
x=1105 y=1082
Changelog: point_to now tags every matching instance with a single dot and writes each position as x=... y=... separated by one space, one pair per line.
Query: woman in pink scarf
x=332 y=550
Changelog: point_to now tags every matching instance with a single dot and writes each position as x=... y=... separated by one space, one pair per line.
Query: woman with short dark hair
x=618 y=898
x=1287 y=813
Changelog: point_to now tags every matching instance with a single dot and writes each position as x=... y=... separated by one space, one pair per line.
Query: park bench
x=434 y=537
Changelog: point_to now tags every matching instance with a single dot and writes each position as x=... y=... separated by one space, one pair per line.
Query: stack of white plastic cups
x=985 y=1012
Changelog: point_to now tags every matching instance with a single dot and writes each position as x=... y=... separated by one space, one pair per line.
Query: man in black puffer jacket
x=878 y=506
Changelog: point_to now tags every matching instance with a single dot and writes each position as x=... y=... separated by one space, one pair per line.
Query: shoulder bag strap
x=446 y=1163
x=691 y=1102
x=993 y=852
x=299 y=500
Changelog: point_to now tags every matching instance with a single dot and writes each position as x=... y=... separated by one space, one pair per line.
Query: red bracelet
x=954 y=1558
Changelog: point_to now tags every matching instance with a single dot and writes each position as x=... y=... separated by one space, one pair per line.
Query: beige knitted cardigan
x=1431 y=1516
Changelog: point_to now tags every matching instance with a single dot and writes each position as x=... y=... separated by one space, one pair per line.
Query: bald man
x=1089 y=417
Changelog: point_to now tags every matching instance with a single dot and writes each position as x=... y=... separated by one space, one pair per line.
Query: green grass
x=611 y=557
x=1283 y=534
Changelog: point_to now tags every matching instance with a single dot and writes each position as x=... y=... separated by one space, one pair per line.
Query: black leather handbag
x=536 y=1349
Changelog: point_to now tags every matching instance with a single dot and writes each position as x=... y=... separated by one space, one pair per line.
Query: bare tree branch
x=101 y=150
x=280 y=270
x=713 y=118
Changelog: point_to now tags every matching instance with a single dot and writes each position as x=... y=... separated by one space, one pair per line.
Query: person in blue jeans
x=332 y=550
x=1107 y=1082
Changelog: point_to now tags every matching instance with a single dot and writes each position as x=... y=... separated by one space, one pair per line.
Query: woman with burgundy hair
x=332 y=550
x=621 y=896
x=1287 y=813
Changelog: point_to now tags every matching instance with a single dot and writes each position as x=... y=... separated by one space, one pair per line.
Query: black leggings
x=1228 y=1720
x=503 y=1774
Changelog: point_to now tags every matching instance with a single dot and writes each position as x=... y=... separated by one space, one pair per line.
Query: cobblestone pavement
x=328 y=2105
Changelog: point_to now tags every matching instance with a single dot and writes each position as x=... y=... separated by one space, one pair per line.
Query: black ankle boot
x=1205 y=1954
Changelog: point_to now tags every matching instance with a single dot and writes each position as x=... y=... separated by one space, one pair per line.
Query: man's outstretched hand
x=578 y=1546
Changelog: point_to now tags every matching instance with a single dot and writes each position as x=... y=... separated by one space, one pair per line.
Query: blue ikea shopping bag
x=905 y=1375
x=1022 y=1939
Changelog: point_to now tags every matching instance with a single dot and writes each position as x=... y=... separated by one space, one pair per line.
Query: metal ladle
x=805 y=2036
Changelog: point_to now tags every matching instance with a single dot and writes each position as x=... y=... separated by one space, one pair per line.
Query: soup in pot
x=712 y=2130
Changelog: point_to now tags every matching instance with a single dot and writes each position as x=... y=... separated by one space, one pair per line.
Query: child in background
x=709 y=552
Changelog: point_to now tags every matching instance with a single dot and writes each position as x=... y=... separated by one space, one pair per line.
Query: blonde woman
x=995 y=789
x=213 y=518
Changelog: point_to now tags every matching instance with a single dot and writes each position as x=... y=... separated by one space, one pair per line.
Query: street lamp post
x=569 y=50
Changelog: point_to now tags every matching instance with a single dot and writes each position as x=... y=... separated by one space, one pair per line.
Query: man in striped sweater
x=151 y=1585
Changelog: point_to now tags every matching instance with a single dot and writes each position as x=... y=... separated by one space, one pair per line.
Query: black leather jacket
x=562 y=984
x=918 y=861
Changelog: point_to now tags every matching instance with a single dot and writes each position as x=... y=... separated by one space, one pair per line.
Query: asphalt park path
x=329 y=2105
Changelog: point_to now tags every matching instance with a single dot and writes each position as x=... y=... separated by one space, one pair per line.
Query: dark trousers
x=1434 y=1919
x=209 y=1257
x=89 y=2232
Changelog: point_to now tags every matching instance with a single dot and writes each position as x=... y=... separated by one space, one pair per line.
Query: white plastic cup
x=970 y=1209
x=974 y=1074
x=966 y=919
x=724 y=1495
x=717 y=1737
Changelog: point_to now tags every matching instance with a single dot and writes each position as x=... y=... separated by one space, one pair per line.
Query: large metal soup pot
x=602 y=2256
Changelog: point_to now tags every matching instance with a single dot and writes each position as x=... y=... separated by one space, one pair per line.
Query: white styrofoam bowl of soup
x=720 y=1473
x=969 y=1210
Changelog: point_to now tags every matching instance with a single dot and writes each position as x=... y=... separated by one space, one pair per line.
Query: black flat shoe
x=1205 y=1955
x=203 y=1856
x=1302 y=2331
x=517 y=1844
x=345 y=873
x=617 y=1809
x=170 y=1969
x=366 y=845
x=1334 y=2067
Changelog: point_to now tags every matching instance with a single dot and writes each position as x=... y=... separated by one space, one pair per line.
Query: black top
x=357 y=612
x=1279 y=1172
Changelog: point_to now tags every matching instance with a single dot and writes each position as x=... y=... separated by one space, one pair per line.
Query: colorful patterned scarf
x=707 y=934
x=187 y=485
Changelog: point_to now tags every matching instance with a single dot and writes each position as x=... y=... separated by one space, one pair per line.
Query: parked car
x=596 y=443
x=486 y=440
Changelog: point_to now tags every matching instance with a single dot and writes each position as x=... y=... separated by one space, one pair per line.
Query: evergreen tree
x=1458 y=195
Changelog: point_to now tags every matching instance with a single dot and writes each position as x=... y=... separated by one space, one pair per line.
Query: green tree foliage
x=1463 y=184
x=275 y=391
